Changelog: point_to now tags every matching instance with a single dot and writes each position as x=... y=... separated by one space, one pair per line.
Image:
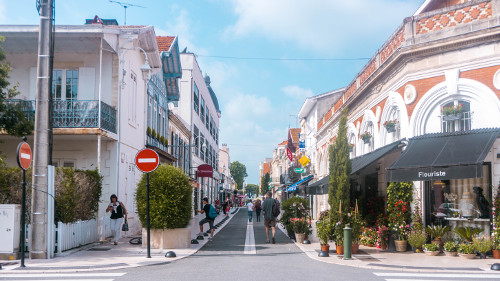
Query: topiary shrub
x=170 y=196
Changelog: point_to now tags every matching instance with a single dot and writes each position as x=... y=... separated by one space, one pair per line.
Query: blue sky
x=257 y=97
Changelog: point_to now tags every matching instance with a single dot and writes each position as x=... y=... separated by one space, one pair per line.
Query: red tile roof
x=164 y=42
x=283 y=143
x=295 y=134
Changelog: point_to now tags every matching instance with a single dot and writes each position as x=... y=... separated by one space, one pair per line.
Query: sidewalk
x=107 y=256
x=373 y=258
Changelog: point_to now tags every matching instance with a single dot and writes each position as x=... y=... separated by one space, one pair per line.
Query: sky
x=264 y=57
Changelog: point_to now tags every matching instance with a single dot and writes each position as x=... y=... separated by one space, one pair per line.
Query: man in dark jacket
x=269 y=219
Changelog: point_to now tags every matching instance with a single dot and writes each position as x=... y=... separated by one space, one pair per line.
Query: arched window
x=456 y=116
x=392 y=125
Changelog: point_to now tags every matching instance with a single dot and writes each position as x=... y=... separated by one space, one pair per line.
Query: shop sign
x=299 y=170
x=205 y=171
x=435 y=173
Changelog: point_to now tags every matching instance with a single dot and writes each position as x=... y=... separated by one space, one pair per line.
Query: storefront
x=453 y=175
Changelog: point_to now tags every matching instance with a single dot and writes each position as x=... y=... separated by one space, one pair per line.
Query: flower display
x=391 y=123
x=301 y=225
x=495 y=233
x=366 y=136
x=452 y=109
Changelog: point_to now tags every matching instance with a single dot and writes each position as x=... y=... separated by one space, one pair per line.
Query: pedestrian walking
x=210 y=215
x=224 y=206
x=250 y=210
x=268 y=207
x=118 y=212
x=258 y=209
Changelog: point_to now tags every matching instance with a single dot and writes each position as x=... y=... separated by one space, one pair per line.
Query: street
x=233 y=255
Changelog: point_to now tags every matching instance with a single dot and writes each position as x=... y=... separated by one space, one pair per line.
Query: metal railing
x=74 y=114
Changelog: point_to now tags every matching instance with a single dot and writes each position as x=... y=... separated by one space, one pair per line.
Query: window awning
x=362 y=161
x=293 y=187
x=442 y=156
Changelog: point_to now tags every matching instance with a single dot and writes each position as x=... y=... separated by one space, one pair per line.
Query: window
x=456 y=116
x=196 y=141
x=65 y=84
x=176 y=146
x=202 y=110
x=196 y=99
x=202 y=152
x=132 y=115
x=207 y=121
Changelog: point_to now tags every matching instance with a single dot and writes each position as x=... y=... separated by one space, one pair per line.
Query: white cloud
x=321 y=25
x=297 y=92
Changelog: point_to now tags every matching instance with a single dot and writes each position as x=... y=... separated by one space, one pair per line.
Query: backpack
x=213 y=213
x=276 y=208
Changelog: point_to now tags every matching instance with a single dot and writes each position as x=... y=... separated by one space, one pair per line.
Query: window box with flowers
x=351 y=147
x=391 y=125
x=366 y=137
x=452 y=112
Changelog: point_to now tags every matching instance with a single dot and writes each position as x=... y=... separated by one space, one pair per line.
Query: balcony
x=74 y=114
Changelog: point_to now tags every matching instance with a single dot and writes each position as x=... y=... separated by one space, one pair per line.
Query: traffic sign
x=147 y=160
x=24 y=155
x=299 y=170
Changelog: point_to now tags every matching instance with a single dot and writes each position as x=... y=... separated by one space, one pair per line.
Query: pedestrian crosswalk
x=431 y=276
x=85 y=276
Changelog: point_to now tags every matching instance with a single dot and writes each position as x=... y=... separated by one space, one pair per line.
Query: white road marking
x=250 y=241
x=62 y=279
x=25 y=156
x=54 y=275
x=437 y=275
x=146 y=160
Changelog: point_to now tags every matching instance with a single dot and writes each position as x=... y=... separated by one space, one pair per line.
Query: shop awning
x=293 y=187
x=362 y=161
x=318 y=187
x=442 y=156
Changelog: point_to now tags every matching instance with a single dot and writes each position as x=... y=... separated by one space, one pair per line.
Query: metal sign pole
x=23 y=219
x=147 y=210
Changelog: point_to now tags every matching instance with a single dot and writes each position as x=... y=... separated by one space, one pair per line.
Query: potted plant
x=390 y=125
x=162 y=140
x=466 y=251
x=482 y=245
x=417 y=239
x=368 y=237
x=382 y=237
x=496 y=226
x=452 y=112
x=148 y=131
x=399 y=196
x=437 y=232
x=431 y=249
x=450 y=248
x=356 y=223
x=170 y=196
x=351 y=147
x=366 y=136
x=338 y=235
x=467 y=233
x=295 y=207
x=153 y=134
x=323 y=229
x=301 y=227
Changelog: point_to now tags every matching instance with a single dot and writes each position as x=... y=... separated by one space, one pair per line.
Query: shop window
x=455 y=202
x=456 y=116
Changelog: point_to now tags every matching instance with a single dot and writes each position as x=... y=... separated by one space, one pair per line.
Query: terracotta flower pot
x=496 y=254
x=383 y=247
x=325 y=248
x=401 y=245
x=355 y=248
x=340 y=250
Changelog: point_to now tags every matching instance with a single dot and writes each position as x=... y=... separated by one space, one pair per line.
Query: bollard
x=347 y=242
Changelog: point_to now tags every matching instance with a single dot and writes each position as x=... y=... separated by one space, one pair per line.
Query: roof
x=443 y=156
x=212 y=93
x=164 y=43
x=283 y=143
x=362 y=161
x=295 y=134
x=267 y=168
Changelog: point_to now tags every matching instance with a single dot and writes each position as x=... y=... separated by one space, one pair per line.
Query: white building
x=100 y=114
x=227 y=181
x=198 y=106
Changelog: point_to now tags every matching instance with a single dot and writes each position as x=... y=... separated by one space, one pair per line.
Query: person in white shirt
x=250 y=210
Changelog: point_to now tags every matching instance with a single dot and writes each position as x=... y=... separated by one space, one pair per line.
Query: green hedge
x=170 y=196
x=77 y=192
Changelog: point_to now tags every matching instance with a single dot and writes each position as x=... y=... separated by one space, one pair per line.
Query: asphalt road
x=223 y=258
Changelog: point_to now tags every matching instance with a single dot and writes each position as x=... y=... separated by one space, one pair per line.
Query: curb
x=147 y=262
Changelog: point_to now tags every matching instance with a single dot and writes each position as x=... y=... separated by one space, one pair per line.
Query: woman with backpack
x=118 y=212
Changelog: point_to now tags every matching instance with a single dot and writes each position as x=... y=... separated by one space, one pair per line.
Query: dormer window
x=456 y=116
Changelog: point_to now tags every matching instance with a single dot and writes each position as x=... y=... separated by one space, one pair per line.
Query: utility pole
x=38 y=245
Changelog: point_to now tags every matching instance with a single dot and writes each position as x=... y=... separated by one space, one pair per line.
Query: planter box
x=367 y=140
x=431 y=253
x=450 y=254
x=451 y=117
x=468 y=256
x=390 y=129
x=178 y=238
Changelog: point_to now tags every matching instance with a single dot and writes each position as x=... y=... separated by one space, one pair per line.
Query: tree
x=12 y=118
x=340 y=169
x=264 y=183
x=251 y=189
x=239 y=173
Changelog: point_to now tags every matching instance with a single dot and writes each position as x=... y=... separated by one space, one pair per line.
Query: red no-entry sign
x=147 y=160
x=24 y=155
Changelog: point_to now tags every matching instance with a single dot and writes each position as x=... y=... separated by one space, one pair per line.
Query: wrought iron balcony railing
x=74 y=114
